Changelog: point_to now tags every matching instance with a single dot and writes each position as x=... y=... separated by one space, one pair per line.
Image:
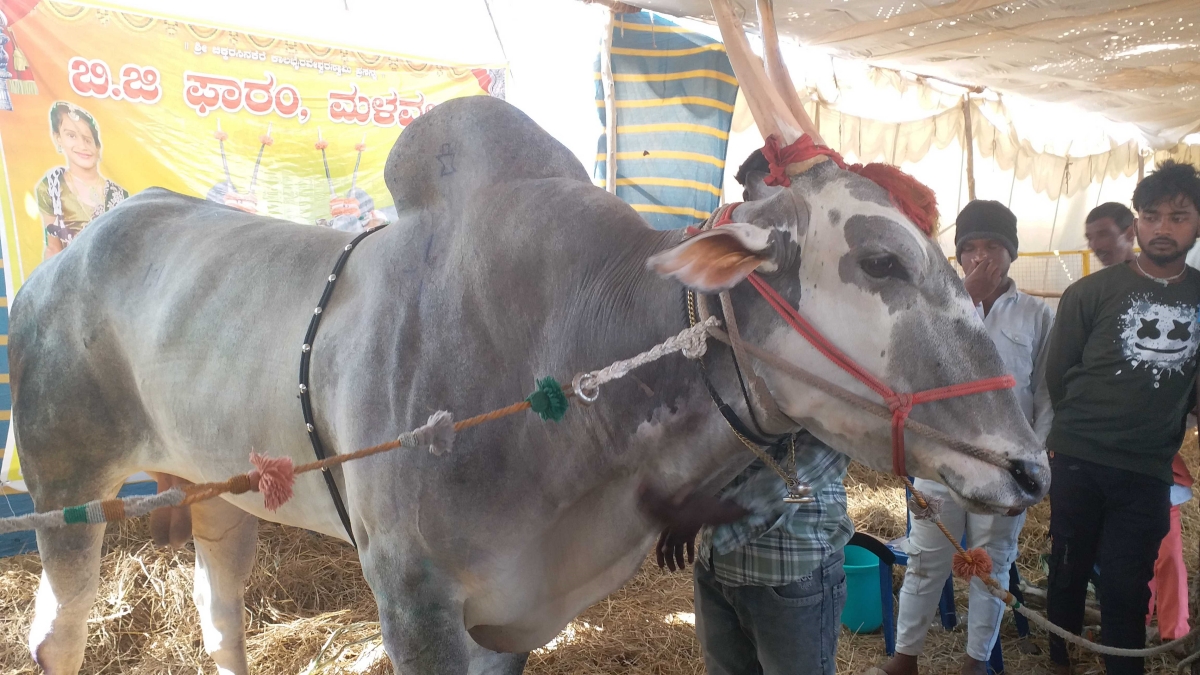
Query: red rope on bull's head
x=805 y=148
x=910 y=196
x=900 y=403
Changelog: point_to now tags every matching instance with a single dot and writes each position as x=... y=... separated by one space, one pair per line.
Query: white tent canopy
x=1137 y=61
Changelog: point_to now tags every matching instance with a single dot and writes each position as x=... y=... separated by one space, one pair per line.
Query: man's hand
x=671 y=544
x=982 y=281
x=683 y=514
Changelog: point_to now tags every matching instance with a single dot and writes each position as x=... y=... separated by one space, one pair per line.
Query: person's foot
x=901 y=664
x=972 y=667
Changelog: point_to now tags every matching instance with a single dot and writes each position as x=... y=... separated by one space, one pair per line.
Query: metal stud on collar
x=306 y=352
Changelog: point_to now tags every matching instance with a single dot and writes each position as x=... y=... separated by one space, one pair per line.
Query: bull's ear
x=716 y=260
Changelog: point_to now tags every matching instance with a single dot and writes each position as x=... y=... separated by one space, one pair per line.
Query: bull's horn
x=778 y=73
x=770 y=113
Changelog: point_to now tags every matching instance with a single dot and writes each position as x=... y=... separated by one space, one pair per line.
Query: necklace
x=1158 y=280
x=89 y=194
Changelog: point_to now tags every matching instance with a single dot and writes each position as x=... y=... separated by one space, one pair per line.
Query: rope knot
x=973 y=562
x=900 y=403
x=778 y=164
x=695 y=343
x=437 y=433
x=930 y=511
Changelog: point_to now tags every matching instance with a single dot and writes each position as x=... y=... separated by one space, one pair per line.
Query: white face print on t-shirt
x=1158 y=336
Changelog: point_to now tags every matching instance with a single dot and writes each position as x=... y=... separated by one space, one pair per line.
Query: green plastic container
x=863 y=612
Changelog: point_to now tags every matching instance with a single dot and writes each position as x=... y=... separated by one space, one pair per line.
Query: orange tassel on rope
x=973 y=562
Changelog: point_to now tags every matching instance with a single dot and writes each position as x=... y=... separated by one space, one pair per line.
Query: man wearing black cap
x=1019 y=325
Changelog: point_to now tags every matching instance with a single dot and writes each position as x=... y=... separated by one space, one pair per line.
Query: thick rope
x=1096 y=647
x=93 y=513
x=692 y=342
x=1184 y=664
x=274 y=476
x=963 y=569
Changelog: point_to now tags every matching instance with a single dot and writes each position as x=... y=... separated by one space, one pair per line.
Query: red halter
x=899 y=403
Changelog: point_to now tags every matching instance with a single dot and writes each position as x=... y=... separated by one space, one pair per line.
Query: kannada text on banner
x=98 y=104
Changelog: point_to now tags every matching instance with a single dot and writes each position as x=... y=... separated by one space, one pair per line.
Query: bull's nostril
x=1027 y=475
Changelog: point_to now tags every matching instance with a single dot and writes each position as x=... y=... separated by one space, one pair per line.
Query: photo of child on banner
x=71 y=196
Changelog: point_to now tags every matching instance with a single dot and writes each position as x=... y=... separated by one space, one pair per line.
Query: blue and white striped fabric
x=675 y=92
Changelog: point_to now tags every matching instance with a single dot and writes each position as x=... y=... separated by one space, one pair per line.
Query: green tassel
x=548 y=401
x=74 y=515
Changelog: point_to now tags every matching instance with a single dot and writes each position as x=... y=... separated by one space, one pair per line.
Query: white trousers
x=929 y=561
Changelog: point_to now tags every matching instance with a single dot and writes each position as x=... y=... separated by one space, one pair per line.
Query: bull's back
x=168 y=325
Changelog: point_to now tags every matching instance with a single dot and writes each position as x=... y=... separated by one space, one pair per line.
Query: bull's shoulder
x=157 y=201
x=468 y=144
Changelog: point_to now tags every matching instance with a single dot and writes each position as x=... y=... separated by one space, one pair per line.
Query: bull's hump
x=467 y=144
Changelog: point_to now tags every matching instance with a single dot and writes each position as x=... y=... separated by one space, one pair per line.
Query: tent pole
x=970 y=143
x=610 y=106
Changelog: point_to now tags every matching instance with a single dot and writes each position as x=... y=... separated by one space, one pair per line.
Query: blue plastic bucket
x=863 y=612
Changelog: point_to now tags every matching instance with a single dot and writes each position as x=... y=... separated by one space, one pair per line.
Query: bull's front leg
x=421 y=620
x=226 y=537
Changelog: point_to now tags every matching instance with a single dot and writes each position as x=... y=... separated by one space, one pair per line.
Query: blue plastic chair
x=887 y=558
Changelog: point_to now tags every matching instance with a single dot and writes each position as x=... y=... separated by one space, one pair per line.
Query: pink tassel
x=275 y=477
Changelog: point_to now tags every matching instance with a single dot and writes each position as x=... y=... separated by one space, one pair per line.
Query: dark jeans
x=771 y=630
x=1121 y=517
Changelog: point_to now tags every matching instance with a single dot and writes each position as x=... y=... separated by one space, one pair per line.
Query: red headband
x=910 y=196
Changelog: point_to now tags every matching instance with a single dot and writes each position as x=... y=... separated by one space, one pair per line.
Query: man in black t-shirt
x=1120 y=371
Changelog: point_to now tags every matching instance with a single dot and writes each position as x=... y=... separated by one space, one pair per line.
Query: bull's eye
x=883 y=267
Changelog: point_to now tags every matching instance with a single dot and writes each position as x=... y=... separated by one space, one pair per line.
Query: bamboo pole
x=610 y=106
x=969 y=136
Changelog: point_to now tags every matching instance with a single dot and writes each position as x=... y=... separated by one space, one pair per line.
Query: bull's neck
x=657 y=307
x=627 y=302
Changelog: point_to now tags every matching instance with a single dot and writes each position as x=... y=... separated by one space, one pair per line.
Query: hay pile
x=306 y=600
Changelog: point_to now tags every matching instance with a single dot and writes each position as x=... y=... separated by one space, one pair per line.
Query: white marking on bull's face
x=882 y=293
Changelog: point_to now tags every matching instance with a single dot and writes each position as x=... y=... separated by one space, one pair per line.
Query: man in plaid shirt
x=769 y=585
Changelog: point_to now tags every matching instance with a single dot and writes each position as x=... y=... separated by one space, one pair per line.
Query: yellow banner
x=97 y=104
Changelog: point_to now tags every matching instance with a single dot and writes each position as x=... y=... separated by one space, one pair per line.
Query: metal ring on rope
x=585 y=388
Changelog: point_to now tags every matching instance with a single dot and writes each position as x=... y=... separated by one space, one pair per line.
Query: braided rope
x=274 y=475
x=1099 y=648
x=1008 y=599
x=692 y=341
x=94 y=512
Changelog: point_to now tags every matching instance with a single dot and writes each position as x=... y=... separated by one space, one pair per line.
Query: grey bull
x=167 y=338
